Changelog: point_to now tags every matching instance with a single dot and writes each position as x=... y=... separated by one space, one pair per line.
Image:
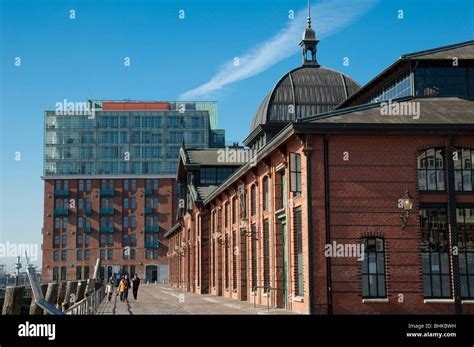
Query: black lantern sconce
x=407 y=204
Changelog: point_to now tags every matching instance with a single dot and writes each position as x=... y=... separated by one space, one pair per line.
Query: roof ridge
x=437 y=49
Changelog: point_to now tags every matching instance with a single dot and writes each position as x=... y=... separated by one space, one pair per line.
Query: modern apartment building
x=110 y=192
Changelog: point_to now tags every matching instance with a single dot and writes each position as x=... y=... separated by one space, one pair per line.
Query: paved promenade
x=159 y=299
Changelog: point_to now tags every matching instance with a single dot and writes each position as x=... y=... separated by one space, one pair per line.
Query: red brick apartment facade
x=400 y=185
x=120 y=221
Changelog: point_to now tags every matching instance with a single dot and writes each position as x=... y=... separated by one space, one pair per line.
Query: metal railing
x=267 y=290
x=89 y=304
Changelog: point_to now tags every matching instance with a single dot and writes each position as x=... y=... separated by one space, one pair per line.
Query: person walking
x=127 y=287
x=109 y=289
x=135 y=285
x=123 y=288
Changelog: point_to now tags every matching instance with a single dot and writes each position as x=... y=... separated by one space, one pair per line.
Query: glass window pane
x=426 y=285
x=380 y=263
x=436 y=280
x=373 y=285
x=435 y=266
x=425 y=260
x=381 y=284
x=372 y=263
x=464 y=287
x=471 y=286
x=444 y=263
x=462 y=263
x=446 y=286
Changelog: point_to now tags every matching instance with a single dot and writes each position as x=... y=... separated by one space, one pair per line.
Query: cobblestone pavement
x=159 y=299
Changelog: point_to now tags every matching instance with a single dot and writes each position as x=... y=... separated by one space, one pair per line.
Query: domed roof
x=304 y=91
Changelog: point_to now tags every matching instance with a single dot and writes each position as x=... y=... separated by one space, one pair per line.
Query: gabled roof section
x=462 y=50
x=442 y=110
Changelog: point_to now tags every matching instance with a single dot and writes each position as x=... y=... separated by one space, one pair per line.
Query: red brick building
x=356 y=201
x=121 y=221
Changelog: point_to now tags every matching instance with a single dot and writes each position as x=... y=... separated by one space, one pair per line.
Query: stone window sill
x=467 y=302
x=375 y=301
x=298 y=299
x=438 y=301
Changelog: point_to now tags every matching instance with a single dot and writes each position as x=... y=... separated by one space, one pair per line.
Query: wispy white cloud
x=328 y=17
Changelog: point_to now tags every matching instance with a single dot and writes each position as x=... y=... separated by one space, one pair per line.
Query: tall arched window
x=435 y=252
x=465 y=226
x=431 y=170
x=253 y=200
x=265 y=195
x=373 y=268
x=463 y=169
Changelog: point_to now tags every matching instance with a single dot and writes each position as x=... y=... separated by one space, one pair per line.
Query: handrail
x=89 y=304
x=38 y=295
x=268 y=289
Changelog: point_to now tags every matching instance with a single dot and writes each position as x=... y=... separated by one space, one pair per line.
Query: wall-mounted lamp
x=407 y=203
x=250 y=234
x=218 y=237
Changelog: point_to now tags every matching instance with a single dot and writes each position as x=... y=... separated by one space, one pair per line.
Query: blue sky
x=83 y=58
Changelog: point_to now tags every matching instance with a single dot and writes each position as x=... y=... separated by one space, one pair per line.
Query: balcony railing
x=61 y=192
x=149 y=228
x=61 y=211
x=107 y=191
x=106 y=211
x=155 y=244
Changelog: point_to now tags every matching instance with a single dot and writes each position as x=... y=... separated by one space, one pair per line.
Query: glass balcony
x=61 y=211
x=61 y=192
x=107 y=191
x=106 y=211
x=155 y=244
x=87 y=229
x=147 y=210
x=148 y=191
x=87 y=210
x=106 y=229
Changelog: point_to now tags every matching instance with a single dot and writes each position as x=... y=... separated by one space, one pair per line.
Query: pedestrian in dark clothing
x=135 y=285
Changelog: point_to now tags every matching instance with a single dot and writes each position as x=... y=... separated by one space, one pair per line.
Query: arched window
x=265 y=195
x=234 y=210
x=309 y=55
x=465 y=226
x=373 y=268
x=435 y=252
x=431 y=170
x=463 y=169
x=253 y=200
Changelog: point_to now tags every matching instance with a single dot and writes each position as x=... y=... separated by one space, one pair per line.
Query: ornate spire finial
x=309 y=14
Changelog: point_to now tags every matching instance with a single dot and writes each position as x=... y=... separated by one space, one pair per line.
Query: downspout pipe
x=327 y=223
x=453 y=226
x=309 y=209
